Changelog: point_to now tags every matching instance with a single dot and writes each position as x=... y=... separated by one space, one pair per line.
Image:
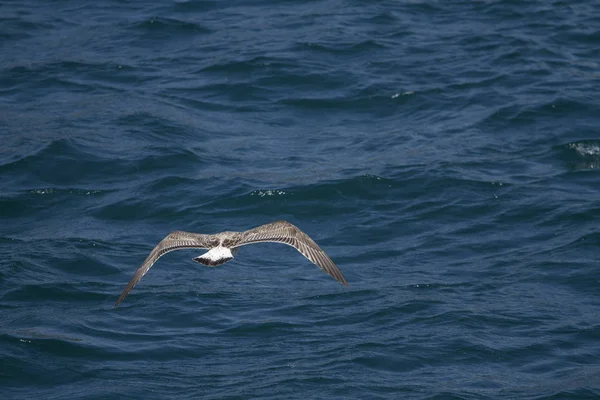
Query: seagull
x=224 y=246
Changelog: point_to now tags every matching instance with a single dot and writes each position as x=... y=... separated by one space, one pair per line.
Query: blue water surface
x=445 y=154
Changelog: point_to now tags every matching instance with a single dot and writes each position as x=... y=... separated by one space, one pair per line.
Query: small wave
x=82 y=192
x=26 y=335
x=585 y=149
x=582 y=154
x=396 y=95
x=263 y=193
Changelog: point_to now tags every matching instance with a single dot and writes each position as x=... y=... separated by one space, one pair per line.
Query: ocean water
x=445 y=154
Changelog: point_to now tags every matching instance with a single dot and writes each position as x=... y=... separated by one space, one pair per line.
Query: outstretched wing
x=284 y=232
x=174 y=241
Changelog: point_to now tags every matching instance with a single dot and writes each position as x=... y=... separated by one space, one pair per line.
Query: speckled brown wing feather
x=284 y=232
x=174 y=241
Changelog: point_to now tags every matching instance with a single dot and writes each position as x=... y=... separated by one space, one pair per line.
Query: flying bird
x=223 y=246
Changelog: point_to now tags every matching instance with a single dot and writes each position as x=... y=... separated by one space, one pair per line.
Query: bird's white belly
x=216 y=256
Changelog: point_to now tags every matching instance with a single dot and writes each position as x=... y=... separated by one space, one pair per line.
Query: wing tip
x=120 y=300
x=340 y=278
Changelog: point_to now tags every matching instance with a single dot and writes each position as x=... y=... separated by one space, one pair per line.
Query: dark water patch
x=43 y=260
x=321 y=198
x=174 y=35
x=166 y=197
x=367 y=101
x=15 y=28
x=41 y=200
x=165 y=28
x=147 y=125
x=61 y=163
x=202 y=104
x=194 y=6
x=249 y=66
x=365 y=187
x=344 y=49
x=520 y=115
x=230 y=92
x=130 y=209
x=27 y=335
x=382 y=18
x=162 y=160
x=73 y=76
x=53 y=292
x=48 y=345
x=298 y=81
x=69 y=164
x=261 y=329
x=360 y=292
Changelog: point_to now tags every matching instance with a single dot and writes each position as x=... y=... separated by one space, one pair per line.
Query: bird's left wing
x=286 y=233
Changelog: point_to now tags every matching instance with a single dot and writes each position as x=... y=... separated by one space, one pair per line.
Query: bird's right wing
x=174 y=241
